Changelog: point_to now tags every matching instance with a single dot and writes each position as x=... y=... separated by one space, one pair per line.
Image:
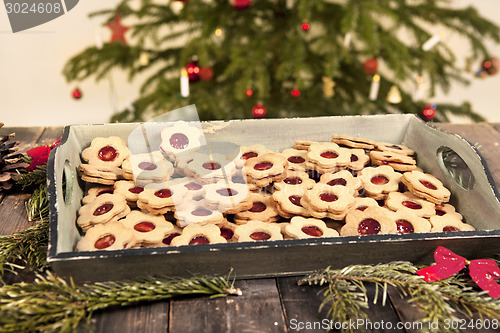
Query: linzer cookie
x=371 y=221
x=195 y=234
x=265 y=169
x=96 y=191
x=426 y=186
x=249 y=152
x=167 y=239
x=447 y=209
x=196 y=189
x=289 y=202
x=448 y=223
x=303 y=144
x=395 y=148
x=362 y=203
x=179 y=139
x=100 y=171
x=295 y=178
x=147 y=228
x=300 y=227
x=378 y=181
x=128 y=189
x=105 y=208
x=353 y=142
x=358 y=160
x=408 y=202
x=398 y=162
x=159 y=199
x=258 y=231
x=147 y=168
x=210 y=168
x=111 y=152
x=227 y=197
x=408 y=223
x=327 y=157
x=342 y=178
x=296 y=159
x=262 y=209
x=196 y=212
x=110 y=236
x=329 y=201
x=227 y=230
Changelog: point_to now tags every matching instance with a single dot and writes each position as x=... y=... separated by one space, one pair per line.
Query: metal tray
x=479 y=205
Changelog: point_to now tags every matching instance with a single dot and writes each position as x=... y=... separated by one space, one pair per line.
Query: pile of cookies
x=185 y=194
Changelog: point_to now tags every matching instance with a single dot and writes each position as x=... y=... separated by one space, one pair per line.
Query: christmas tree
x=286 y=58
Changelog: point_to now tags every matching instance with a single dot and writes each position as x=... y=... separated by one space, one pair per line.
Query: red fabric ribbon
x=482 y=271
x=40 y=155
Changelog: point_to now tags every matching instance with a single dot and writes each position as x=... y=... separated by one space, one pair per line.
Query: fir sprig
x=345 y=292
x=52 y=304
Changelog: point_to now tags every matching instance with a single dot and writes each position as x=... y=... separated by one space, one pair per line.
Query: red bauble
x=295 y=93
x=370 y=66
x=259 y=111
x=240 y=4
x=193 y=71
x=305 y=26
x=249 y=93
x=490 y=65
x=76 y=93
x=206 y=73
x=428 y=112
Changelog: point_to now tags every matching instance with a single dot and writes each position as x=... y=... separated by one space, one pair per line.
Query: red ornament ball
x=370 y=66
x=305 y=26
x=240 y=4
x=428 y=112
x=206 y=73
x=490 y=65
x=249 y=93
x=76 y=93
x=295 y=93
x=259 y=111
x=193 y=71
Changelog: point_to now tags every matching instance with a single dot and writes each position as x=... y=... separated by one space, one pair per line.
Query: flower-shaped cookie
x=301 y=227
x=263 y=209
x=395 y=148
x=128 y=189
x=447 y=209
x=378 y=181
x=105 y=208
x=227 y=197
x=358 y=160
x=110 y=151
x=342 y=178
x=147 y=228
x=110 y=236
x=195 y=188
x=371 y=221
x=148 y=168
x=249 y=152
x=227 y=230
x=181 y=138
x=195 y=234
x=353 y=142
x=327 y=157
x=398 y=162
x=96 y=191
x=411 y=203
x=210 y=168
x=296 y=159
x=295 y=178
x=167 y=239
x=197 y=212
x=258 y=231
x=335 y=201
x=362 y=203
x=289 y=202
x=447 y=223
x=265 y=169
x=426 y=186
x=408 y=223
x=159 y=196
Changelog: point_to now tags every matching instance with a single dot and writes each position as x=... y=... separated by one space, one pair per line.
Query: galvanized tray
x=479 y=204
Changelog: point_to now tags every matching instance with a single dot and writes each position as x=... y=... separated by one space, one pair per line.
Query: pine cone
x=11 y=162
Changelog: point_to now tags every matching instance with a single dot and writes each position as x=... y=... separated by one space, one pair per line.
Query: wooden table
x=267 y=305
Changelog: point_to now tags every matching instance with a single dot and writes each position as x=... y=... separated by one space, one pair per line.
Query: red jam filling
x=260 y=236
x=107 y=153
x=427 y=184
x=295 y=199
x=211 y=166
x=296 y=159
x=167 y=240
x=338 y=181
x=292 y=181
x=258 y=207
x=328 y=197
x=164 y=193
x=193 y=186
x=368 y=226
x=440 y=212
x=199 y=240
x=329 y=154
x=312 y=231
x=395 y=147
x=263 y=166
x=404 y=227
x=136 y=190
x=106 y=191
x=148 y=166
x=227 y=192
x=179 y=141
x=144 y=226
x=201 y=212
x=379 y=180
x=226 y=233
x=362 y=208
x=354 y=158
x=250 y=154
x=103 y=209
x=104 y=242
x=450 y=228
x=411 y=205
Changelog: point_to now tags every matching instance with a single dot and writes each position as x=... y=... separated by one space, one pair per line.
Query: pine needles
x=51 y=304
x=346 y=297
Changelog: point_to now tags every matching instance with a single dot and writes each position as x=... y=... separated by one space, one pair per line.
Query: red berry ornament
x=259 y=111
x=249 y=93
x=295 y=93
x=490 y=65
x=370 y=66
x=76 y=93
x=428 y=112
x=193 y=71
x=240 y=4
x=305 y=26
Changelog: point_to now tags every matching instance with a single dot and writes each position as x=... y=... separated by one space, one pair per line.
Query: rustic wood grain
x=27 y=136
x=257 y=310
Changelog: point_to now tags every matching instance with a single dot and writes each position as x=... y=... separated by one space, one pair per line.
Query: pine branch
x=439 y=300
x=52 y=304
